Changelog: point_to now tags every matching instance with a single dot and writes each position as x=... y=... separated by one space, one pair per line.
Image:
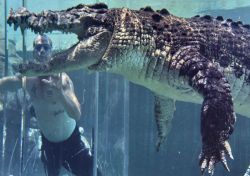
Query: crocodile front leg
x=217 y=114
x=164 y=113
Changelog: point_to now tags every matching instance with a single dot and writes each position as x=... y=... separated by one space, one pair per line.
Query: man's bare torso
x=53 y=120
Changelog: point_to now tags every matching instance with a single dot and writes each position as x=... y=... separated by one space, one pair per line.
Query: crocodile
x=202 y=59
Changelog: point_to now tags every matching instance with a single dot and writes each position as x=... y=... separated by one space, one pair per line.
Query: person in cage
x=56 y=108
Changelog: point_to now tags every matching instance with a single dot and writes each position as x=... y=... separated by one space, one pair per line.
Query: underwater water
x=118 y=116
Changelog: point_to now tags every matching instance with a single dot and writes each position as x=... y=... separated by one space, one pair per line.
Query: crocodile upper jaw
x=93 y=35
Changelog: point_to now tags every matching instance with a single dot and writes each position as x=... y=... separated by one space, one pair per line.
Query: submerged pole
x=6 y=63
x=95 y=142
x=22 y=137
x=126 y=121
x=23 y=38
x=126 y=128
x=95 y=136
x=6 y=41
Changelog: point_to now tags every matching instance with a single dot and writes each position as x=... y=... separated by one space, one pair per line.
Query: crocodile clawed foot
x=212 y=155
x=159 y=142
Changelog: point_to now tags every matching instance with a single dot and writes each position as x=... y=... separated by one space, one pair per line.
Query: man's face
x=42 y=49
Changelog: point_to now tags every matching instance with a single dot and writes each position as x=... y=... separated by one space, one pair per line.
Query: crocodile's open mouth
x=83 y=24
x=87 y=22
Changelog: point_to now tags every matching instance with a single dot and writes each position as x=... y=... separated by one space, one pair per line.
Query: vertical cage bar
x=95 y=148
x=6 y=40
x=126 y=128
x=23 y=38
x=96 y=121
x=22 y=137
x=6 y=63
x=126 y=121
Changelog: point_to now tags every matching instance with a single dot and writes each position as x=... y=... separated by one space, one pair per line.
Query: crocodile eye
x=92 y=31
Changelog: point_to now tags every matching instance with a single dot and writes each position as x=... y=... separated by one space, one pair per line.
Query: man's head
x=42 y=48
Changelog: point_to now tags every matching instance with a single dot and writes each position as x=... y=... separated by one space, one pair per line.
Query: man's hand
x=59 y=88
x=53 y=87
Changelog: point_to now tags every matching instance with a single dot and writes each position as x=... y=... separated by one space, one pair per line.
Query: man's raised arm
x=10 y=83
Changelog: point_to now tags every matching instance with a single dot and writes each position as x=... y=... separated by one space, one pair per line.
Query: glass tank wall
x=117 y=116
